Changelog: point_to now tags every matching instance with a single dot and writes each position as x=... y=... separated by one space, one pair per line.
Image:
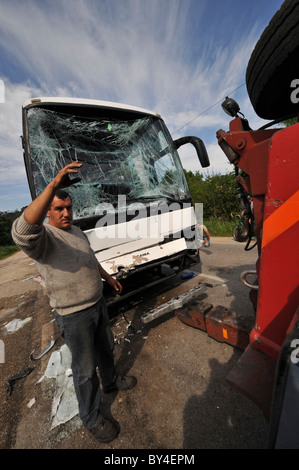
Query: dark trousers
x=88 y=335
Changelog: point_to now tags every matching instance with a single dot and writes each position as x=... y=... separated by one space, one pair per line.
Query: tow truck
x=266 y=163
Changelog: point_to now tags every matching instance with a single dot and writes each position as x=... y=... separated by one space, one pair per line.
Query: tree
x=290 y=122
x=5 y=231
x=218 y=193
x=6 y=221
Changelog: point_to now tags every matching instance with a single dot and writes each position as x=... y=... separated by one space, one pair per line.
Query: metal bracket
x=246 y=283
x=43 y=352
x=173 y=304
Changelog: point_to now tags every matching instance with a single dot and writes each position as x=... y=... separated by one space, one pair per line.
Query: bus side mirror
x=199 y=147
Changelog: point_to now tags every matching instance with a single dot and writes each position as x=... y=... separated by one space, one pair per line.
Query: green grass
x=219 y=228
x=6 y=251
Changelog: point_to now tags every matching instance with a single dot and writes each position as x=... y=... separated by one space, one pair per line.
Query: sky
x=179 y=58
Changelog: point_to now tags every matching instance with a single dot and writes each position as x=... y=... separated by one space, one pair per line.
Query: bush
x=218 y=193
x=5 y=229
x=219 y=228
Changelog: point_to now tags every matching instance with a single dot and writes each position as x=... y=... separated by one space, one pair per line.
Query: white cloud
x=89 y=49
x=12 y=168
x=134 y=51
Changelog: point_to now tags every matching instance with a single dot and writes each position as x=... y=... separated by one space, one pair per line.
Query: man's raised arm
x=36 y=212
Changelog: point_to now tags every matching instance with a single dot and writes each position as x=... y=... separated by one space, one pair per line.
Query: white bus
x=133 y=201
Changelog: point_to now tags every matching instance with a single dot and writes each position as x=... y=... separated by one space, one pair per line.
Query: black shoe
x=106 y=432
x=121 y=383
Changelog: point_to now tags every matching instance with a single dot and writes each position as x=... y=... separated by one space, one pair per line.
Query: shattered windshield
x=133 y=157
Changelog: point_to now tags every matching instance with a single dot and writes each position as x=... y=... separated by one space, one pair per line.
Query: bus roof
x=86 y=102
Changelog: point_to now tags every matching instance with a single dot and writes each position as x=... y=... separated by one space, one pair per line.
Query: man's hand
x=115 y=284
x=63 y=180
x=111 y=280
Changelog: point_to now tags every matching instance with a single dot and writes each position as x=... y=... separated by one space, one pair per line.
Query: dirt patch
x=181 y=400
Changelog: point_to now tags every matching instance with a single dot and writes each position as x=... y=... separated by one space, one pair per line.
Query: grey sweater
x=65 y=261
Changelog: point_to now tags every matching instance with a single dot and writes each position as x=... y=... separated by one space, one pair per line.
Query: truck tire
x=274 y=64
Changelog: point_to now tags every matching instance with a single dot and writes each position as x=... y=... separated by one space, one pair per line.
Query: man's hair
x=61 y=194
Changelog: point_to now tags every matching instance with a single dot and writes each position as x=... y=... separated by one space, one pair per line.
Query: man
x=73 y=278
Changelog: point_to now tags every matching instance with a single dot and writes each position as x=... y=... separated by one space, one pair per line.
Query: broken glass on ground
x=65 y=404
x=16 y=324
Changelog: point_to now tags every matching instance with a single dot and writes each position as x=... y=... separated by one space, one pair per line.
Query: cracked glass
x=125 y=155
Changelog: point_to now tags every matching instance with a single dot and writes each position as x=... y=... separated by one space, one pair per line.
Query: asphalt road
x=182 y=400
